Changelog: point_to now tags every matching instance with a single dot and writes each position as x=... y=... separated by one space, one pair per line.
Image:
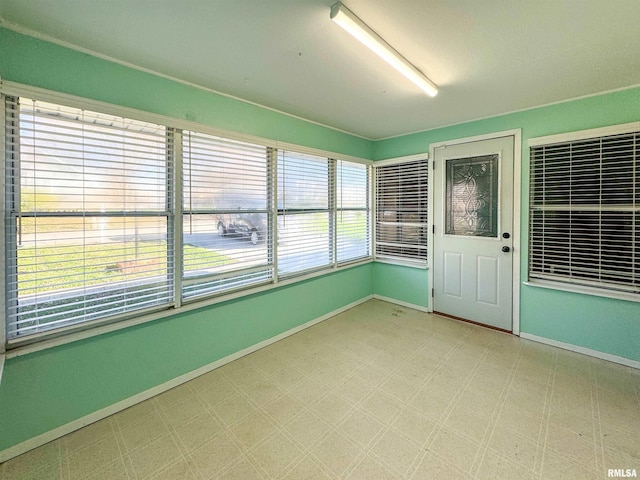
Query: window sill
x=402 y=263
x=82 y=331
x=583 y=289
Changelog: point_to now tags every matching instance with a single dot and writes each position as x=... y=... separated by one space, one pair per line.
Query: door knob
x=506 y=249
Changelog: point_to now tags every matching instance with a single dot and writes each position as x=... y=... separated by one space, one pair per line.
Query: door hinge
x=433 y=229
x=433 y=293
x=434 y=165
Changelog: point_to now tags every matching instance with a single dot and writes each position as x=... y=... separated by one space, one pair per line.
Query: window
x=87 y=214
x=304 y=214
x=401 y=216
x=226 y=222
x=107 y=217
x=584 y=212
x=352 y=222
x=471 y=196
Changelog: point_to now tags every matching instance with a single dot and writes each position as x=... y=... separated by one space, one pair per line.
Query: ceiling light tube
x=356 y=27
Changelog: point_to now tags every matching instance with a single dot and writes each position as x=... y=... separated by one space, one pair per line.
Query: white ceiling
x=487 y=56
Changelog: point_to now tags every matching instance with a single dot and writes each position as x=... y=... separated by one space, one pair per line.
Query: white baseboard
x=404 y=304
x=585 y=351
x=566 y=346
x=58 y=432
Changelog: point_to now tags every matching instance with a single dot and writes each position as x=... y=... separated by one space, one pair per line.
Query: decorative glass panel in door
x=472 y=196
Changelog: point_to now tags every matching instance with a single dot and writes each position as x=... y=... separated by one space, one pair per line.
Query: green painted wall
x=406 y=284
x=602 y=324
x=50 y=388
x=35 y=62
x=606 y=325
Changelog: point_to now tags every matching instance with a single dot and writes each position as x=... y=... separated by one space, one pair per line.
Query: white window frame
x=235 y=278
x=568 y=285
x=73 y=333
x=286 y=210
x=409 y=262
x=339 y=209
x=156 y=287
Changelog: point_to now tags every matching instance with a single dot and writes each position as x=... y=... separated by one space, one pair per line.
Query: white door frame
x=517 y=172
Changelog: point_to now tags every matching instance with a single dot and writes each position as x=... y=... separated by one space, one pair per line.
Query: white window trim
x=374 y=212
x=20 y=90
x=402 y=262
x=64 y=335
x=58 y=337
x=568 y=286
x=582 y=289
x=404 y=159
x=584 y=134
x=321 y=153
x=3 y=266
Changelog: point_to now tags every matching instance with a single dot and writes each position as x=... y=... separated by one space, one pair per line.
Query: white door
x=473 y=236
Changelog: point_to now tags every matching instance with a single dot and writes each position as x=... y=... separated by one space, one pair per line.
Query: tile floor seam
x=598 y=431
x=324 y=468
x=273 y=420
x=128 y=469
x=295 y=464
x=595 y=419
x=242 y=389
x=258 y=467
x=372 y=444
x=426 y=448
x=342 y=473
x=247 y=451
x=165 y=468
x=155 y=472
x=433 y=373
x=211 y=410
x=495 y=414
x=315 y=443
x=223 y=471
x=115 y=429
x=260 y=405
x=440 y=424
x=542 y=436
x=64 y=461
x=60 y=461
x=124 y=451
x=387 y=374
x=369 y=445
x=456 y=399
x=171 y=429
x=445 y=460
x=184 y=449
x=595 y=416
x=347 y=474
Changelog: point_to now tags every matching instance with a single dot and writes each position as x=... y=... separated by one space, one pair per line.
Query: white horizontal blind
x=226 y=223
x=585 y=212
x=304 y=239
x=88 y=214
x=352 y=222
x=401 y=211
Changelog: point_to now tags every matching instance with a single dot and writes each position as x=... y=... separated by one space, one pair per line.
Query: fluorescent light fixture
x=356 y=27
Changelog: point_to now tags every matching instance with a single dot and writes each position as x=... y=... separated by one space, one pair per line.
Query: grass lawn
x=58 y=267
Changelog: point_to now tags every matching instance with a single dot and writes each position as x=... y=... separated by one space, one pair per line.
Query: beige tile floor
x=378 y=392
